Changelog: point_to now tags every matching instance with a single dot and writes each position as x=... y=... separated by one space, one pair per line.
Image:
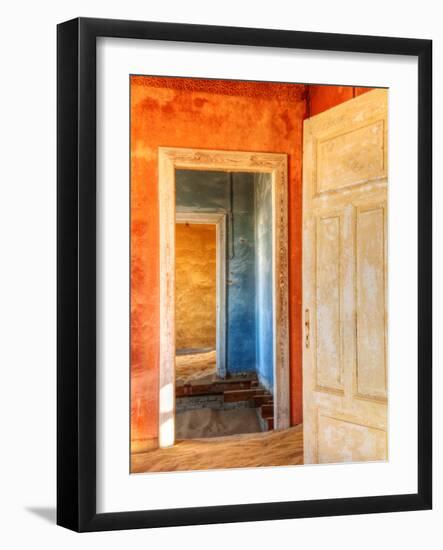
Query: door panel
x=344 y=282
x=344 y=441
x=350 y=156
x=370 y=291
x=328 y=303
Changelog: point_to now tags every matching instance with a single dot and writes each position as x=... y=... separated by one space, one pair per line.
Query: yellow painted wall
x=195 y=249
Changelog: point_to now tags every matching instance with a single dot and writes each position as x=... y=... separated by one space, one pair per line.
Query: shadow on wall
x=48 y=514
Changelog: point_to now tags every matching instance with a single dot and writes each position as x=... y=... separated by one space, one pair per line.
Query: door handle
x=307 y=329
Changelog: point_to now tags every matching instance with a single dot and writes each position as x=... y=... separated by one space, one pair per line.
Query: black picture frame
x=76 y=273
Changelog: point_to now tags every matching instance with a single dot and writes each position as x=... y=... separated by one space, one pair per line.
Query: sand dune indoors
x=189 y=367
x=275 y=448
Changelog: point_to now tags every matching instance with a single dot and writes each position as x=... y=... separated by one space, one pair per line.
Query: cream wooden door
x=344 y=282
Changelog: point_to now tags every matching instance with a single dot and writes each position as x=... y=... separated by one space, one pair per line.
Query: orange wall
x=321 y=98
x=195 y=286
x=209 y=114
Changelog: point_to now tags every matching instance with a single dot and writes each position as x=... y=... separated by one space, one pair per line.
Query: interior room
x=230 y=392
x=232 y=363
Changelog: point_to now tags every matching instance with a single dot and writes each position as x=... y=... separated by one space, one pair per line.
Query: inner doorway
x=200 y=303
x=228 y=390
x=244 y=263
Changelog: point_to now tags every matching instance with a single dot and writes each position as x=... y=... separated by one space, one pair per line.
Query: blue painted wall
x=211 y=192
x=263 y=280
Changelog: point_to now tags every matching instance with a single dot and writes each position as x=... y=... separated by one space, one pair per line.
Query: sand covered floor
x=275 y=448
x=207 y=422
x=196 y=366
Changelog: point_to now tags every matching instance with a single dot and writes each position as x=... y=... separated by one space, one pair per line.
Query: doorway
x=200 y=304
x=262 y=167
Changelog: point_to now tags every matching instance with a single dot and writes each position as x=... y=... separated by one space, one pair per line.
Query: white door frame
x=219 y=220
x=276 y=164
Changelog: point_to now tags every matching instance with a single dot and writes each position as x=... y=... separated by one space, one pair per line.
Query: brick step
x=232 y=396
x=252 y=377
x=262 y=399
x=213 y=388
x=267 y=410
x=269 y=422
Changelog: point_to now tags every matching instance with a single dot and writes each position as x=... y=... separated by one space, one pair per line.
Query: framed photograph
x=244 y=274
